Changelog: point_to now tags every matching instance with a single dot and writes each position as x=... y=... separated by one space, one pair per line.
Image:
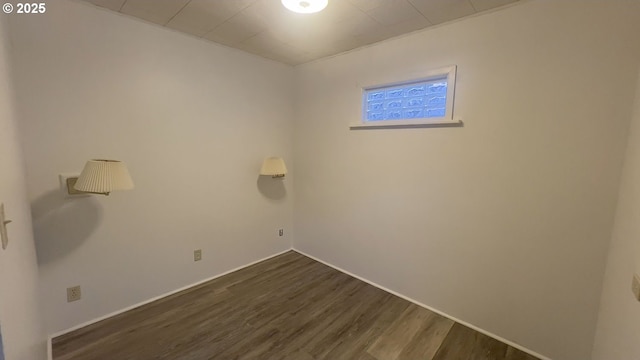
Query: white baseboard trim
x=118 y=312
x=482 y=331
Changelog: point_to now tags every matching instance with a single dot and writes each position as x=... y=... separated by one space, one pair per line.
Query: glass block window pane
x=409 y=101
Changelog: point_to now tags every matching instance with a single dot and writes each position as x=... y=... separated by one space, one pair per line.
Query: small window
x=427 y=100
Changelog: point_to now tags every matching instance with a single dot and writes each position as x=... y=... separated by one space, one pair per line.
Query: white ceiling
x=267 y=29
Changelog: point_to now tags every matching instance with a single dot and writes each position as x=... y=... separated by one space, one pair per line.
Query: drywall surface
x=192 y=120
x=23 y=334
x=618 y=326
x=505 y=222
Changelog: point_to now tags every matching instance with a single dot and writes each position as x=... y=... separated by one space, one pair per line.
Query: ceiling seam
x=226 y=21
x=178 y=12
x=420 y=12
x=367 y=13
x=472 y=6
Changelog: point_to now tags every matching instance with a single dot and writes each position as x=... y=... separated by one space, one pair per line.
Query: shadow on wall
x=62 y=224
x=272 y=189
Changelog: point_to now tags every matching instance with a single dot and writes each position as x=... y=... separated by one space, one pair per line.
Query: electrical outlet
x=197 y=255
x=635 y=286
x=74 y=293
x=281 y=232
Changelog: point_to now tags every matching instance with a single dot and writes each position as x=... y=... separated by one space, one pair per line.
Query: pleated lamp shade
x=103 y=176
x=273 y=166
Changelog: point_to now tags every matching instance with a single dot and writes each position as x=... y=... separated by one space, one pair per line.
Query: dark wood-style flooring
x=288 y=307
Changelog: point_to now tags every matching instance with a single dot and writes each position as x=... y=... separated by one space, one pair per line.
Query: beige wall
x=22 y=329
x=193 y=122
x=618 y=326
x=503 y=223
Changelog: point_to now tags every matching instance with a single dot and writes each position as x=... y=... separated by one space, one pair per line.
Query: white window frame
x=447 y=72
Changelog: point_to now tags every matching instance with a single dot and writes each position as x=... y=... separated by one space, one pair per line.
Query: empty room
x=320 y=179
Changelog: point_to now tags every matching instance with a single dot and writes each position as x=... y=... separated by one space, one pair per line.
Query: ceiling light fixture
x=305 y=6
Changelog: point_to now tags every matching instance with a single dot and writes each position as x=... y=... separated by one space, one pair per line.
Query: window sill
x=399 y=124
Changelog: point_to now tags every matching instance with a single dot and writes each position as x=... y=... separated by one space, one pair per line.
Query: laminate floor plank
x=289 y=307
x=465 y=343
x=358 y=347
x=403 y=331
x=355 y=307
x=364 y=329
x=268 y=335
x=427 y=341
x=306 y=326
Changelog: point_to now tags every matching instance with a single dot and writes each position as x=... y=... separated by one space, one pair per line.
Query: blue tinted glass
x=393 y=114
x=414 y=102
x=435 y=112
x=395 y=93
x=375 y=95
x=437 y=88
x=375 y=105
x=416 y=90
x=421 y=100
x=416 y=113
x=393 y=104
x=436 y=100
x=375 y=115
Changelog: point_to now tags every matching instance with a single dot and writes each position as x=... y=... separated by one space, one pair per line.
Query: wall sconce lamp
x=100 y=177
x=274 y=167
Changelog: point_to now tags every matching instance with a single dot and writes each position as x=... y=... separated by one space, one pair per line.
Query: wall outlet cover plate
x=74 y=293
